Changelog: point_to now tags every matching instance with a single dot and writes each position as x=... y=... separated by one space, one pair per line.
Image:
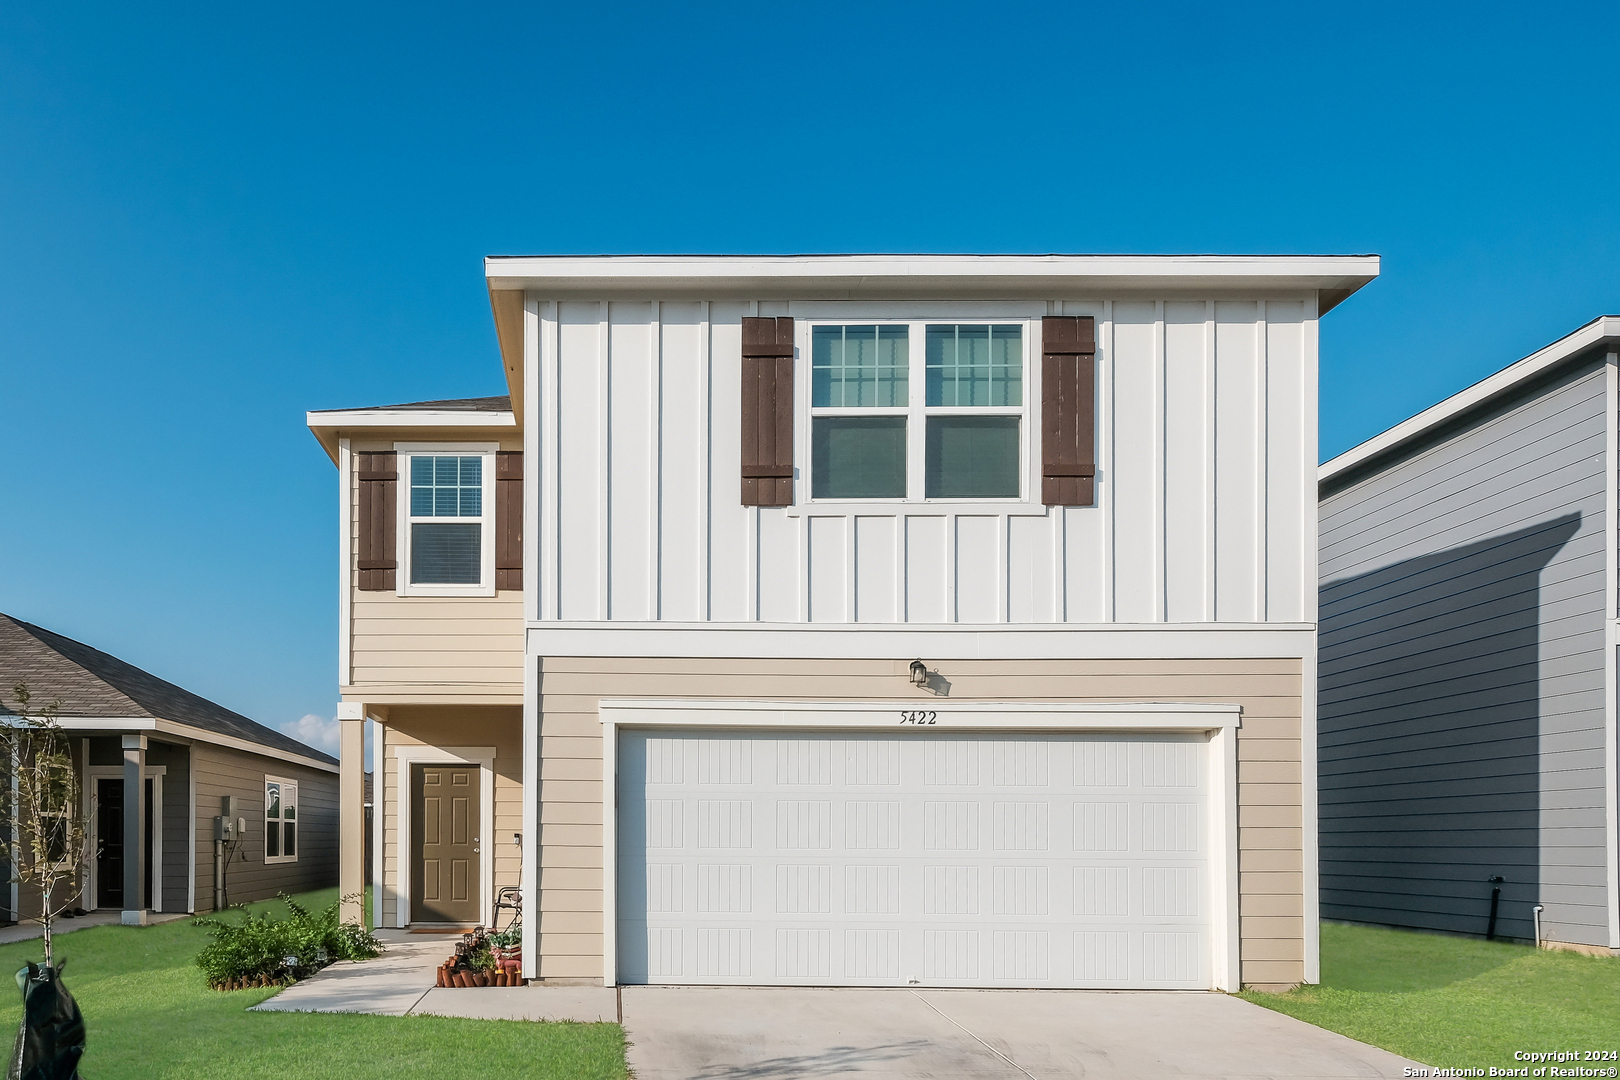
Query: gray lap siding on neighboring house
x=222 y=771
x=1461 y=679
x=176 y=821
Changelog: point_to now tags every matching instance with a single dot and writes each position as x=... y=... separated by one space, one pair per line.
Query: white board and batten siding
x=1206 y=503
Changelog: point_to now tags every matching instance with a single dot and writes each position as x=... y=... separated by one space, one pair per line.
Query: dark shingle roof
x=503 y=403
x=89 y=683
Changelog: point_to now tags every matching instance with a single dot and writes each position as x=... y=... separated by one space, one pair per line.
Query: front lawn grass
x=1457 y=1002
x=150 y=1014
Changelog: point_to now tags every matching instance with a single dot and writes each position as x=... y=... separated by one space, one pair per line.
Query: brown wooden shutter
x=1068 y=410
x=767 y=412
x=509 y=519
x=378 y=476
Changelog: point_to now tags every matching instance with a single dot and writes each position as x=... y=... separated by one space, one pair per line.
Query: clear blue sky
x=216 y=216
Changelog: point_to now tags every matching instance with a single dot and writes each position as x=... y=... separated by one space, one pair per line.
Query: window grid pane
x=972 y=457
x=858 y=457
x=447 y=486
x=859 y=366
x=975 y=365
x=446 y=554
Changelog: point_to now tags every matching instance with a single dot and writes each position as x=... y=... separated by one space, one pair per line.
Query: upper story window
x=449 y=522
x=917 y=411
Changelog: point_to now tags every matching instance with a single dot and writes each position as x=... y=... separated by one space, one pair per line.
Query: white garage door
x=963 y=859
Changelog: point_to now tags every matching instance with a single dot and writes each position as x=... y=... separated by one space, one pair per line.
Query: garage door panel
x=945 y=859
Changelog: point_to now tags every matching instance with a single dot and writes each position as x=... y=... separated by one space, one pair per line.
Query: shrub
x=255 y=951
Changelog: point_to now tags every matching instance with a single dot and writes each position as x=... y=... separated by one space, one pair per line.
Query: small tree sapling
x=46 y=841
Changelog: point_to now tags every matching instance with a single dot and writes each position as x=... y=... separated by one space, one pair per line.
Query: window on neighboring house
x=917 y=411
x=280 y=820
x=449 y=519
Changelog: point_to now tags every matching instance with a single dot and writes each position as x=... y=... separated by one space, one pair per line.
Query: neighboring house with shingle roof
x=130 y=725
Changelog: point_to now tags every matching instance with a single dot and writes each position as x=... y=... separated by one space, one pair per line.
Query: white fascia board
x=1068 y=716
x=407 y=418
x=927 y=643
x=888 y=275
x=1587 y=337
x=186 y=732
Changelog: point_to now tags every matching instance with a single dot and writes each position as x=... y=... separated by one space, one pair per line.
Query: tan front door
x=444 y=838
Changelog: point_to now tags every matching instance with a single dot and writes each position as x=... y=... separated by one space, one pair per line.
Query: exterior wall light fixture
x=919 y=673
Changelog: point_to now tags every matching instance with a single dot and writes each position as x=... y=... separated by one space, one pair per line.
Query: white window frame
x=298 y=820
x=402 y=508
x=916 y=411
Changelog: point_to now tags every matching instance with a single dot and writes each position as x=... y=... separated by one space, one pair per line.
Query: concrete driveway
x=770 y=1033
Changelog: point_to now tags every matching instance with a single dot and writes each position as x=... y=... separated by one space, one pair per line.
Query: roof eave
x=329 y=425
x=1333 y=277
x=1601 y=332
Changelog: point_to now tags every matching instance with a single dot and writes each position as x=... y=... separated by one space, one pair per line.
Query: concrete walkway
x=400 y=982
x=27 y=931
x=771 y=1033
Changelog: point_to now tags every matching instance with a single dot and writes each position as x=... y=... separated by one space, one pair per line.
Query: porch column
x=135 y=911
x=351 y=812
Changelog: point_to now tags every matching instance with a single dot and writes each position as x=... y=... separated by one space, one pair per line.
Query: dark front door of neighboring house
x=110 y=842
x=445 y=813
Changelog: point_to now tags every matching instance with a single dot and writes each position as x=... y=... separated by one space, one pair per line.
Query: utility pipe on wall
x=1535 y=913
x=1496 y=897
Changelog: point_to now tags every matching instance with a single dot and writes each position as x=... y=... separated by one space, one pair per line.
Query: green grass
x=1451 y=1001
x=150 y=1015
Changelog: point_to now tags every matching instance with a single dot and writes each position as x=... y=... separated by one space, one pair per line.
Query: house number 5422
x=918 y=718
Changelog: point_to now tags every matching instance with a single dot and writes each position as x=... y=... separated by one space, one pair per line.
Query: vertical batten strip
x=535 y=430
x=347 y=578
x=1004 y=562
x=1262 y=452
x=1160 y=600
x=655 y=455
x=1105 y=459
x=951 y=569
x=850 y=569
x=900 y=542
x=551 y=449
x=1209 y=462
x=604 y=471
x=1057 y=516
x=705 y=466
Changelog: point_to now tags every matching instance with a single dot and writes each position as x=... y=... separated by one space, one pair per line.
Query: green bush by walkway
x=1457 y=1002
x=151 y=1016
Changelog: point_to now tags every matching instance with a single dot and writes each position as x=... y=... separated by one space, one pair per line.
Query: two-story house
x=854 y=620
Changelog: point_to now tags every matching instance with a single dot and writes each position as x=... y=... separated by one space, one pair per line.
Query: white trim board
x=1220 y=721
x=879 y=276
x=940 y=642
x=405 y=757
x=186 y=733
x=396 y=418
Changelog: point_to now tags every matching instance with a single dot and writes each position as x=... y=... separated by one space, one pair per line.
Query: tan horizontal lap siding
x=455 y=725
x=1270 y=852
x=431 y=648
